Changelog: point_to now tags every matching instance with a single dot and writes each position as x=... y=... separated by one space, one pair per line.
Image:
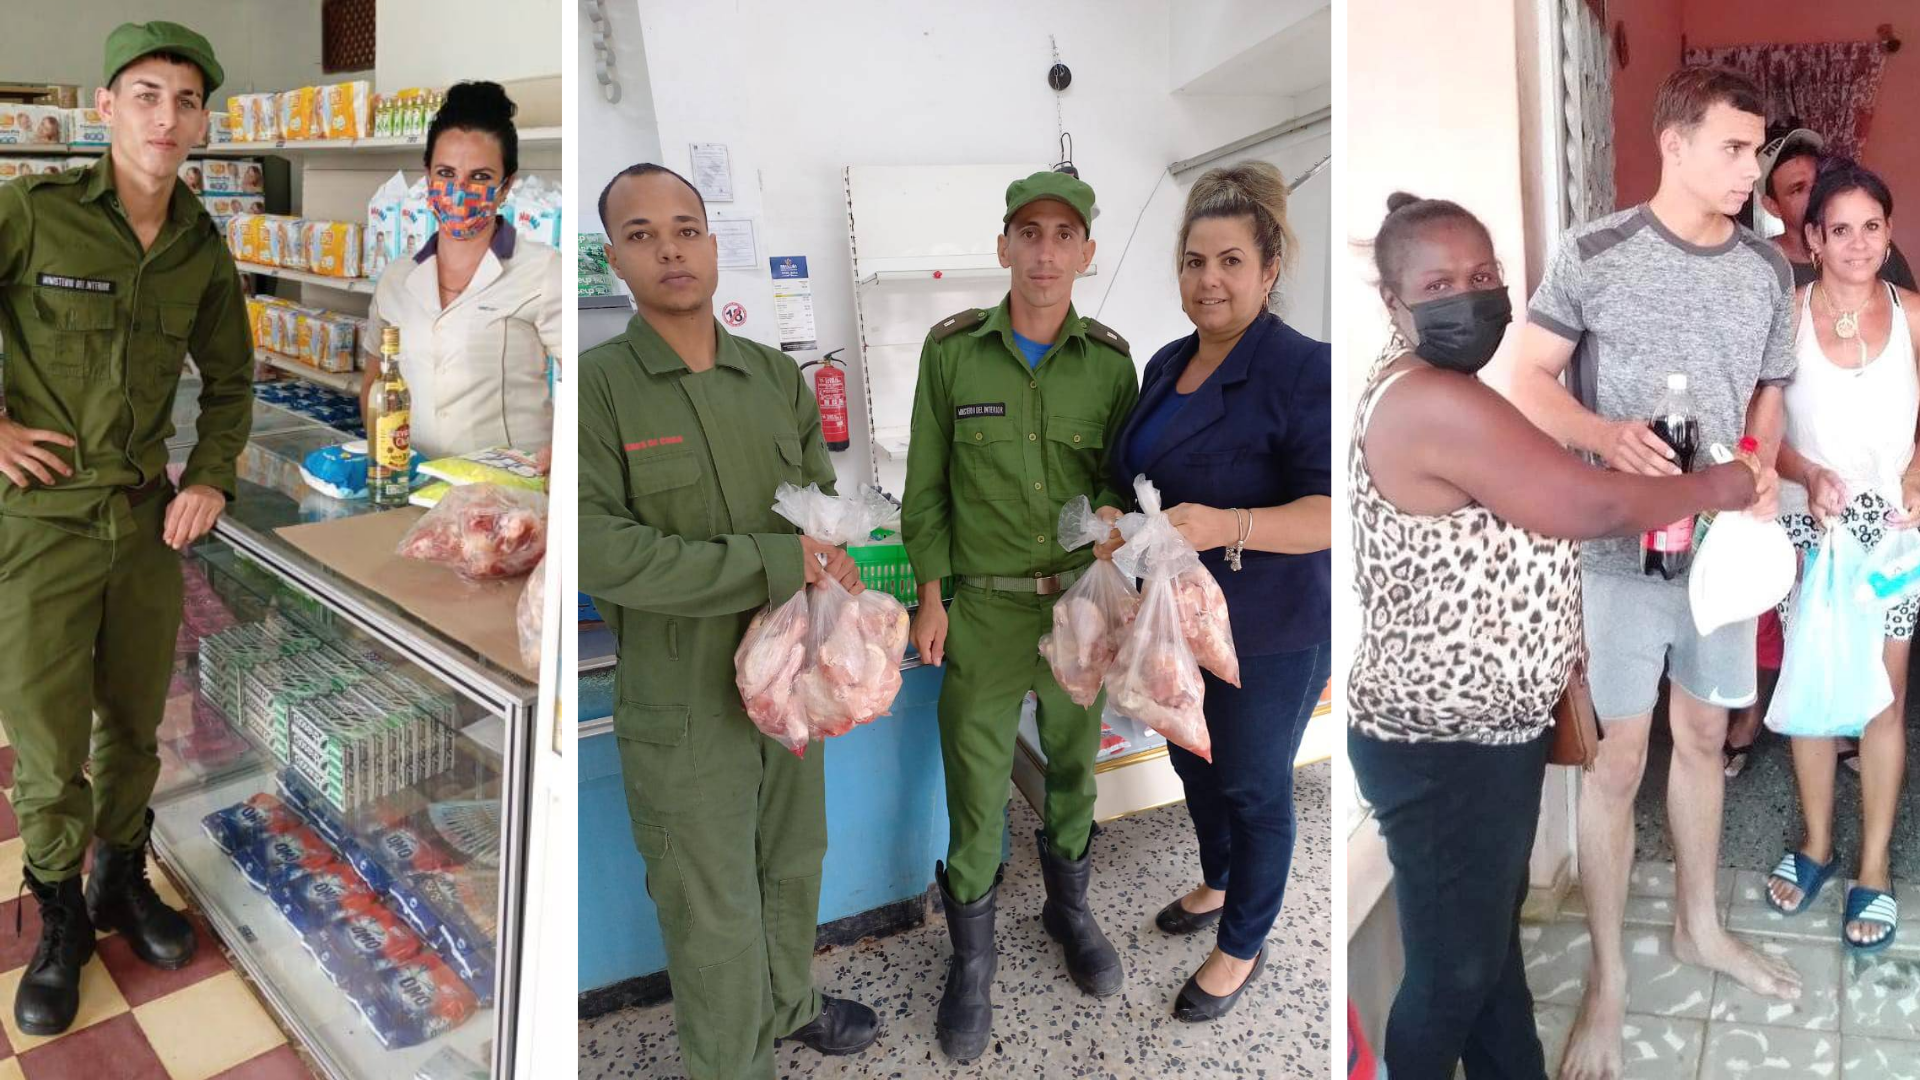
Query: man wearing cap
x=109 y=277
x=1014 y=411
x=1788 y=165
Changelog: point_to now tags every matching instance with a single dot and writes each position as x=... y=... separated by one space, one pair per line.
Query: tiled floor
x=136 y=1022
x=1856 y=1018
x=1043 y=1026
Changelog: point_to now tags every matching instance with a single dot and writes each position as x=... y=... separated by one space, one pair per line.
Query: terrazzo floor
x=1043 y=1025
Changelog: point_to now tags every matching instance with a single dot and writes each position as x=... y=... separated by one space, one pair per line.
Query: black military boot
x=843 y=1027
x=965 y=1020
x=49 y=992
x=119 y=898
x=1092 y=962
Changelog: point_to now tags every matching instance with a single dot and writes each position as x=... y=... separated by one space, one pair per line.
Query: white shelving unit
x=346 y=382
x=352 y=285
x=540 y=136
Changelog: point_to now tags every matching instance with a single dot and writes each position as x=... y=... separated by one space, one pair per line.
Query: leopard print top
x=1471 y=625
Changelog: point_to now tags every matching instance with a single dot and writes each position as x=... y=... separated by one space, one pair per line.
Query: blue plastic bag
x=1833 y=679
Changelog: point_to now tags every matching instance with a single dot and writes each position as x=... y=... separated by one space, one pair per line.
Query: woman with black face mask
x=1465 y=520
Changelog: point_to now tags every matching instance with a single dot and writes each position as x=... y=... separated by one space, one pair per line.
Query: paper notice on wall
x=712 y=172
x=735 y=238
x=793 y=303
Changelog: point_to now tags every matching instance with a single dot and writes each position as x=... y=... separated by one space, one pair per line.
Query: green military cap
x=131 y=41
x=1051 y=185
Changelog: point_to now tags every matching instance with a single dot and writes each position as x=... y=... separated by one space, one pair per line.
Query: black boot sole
x=963 y=1052
x=1086 y=981
x=42 y=1031
x=1196 y=1006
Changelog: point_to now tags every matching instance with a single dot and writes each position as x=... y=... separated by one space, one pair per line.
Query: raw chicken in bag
x=1090 y=620
x=1156 y=677
x=824 y=661
x=483 y=531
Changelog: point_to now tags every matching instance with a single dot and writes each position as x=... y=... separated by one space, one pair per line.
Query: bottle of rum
x=389 y=421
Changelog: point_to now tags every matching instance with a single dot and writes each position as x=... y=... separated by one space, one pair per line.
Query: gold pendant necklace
x=1846 y=324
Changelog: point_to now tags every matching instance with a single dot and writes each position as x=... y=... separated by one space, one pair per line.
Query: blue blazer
x=1258 y=432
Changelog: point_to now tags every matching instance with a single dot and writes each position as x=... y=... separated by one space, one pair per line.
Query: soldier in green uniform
x=109 y=277
x=1014 y=412
x=685 y=432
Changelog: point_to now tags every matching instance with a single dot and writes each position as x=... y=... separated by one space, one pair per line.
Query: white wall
x=261 y=46
x=434 y=43
x=615 y=135
x=798 y=92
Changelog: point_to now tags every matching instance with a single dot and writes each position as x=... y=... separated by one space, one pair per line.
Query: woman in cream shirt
x=478 y=306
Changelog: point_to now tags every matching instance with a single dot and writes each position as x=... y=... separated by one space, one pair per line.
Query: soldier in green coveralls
x=1014 y=412
x=109 y=277
x=685 y=432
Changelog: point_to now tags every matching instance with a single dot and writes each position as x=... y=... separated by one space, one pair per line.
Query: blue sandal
x=1875 y=908
x=1804 y=874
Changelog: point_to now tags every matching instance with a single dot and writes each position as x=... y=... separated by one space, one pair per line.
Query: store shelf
x=50 y=149
x=346 y=382
x=352 y=285
x=958 y=270
x=528 y=137
x=594 y=303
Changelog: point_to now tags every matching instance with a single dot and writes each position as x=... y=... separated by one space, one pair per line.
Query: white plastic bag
x=1744 y=567
x=824 y=661
x=1200 y=605
x=1155 y=679
x=1090 y=620
x=1833 y=679
x=530 y=613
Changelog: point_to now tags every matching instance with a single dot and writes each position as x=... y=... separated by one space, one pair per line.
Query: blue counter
x=886 y=824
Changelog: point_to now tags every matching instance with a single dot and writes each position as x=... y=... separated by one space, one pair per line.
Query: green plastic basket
x=885 y=568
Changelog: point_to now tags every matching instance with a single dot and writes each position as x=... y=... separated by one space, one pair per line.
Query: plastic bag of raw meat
x=529 y=612
x=1090 y=620
x=1155 y=679
x=855 y=642
x=766 y=669
x=1201 y=606
x=483 y=531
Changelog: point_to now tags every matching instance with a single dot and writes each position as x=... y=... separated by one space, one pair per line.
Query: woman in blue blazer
x=1233 y=428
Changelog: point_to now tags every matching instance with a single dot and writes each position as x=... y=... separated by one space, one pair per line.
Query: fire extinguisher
x=830 y=390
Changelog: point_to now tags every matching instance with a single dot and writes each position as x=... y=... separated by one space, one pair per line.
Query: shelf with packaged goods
x=249 y=576
x=537 y=136
x=346 y=382
x=364 y=286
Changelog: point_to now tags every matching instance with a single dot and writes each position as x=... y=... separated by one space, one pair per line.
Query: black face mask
x=1461 y=332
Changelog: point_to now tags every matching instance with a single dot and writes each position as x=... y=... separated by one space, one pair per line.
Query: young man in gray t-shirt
x=1674 y=286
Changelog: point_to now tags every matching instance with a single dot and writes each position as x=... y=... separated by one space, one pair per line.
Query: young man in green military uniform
x=1014 y=412
x=685 y=432
x=109 y=277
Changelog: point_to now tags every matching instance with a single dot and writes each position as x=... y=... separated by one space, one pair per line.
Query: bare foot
x=1222 y=974
x=1722 y=952
x=1593 y=1049
x=1202 y=900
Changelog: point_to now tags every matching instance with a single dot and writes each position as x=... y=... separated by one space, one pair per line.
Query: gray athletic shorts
x=1636 y=627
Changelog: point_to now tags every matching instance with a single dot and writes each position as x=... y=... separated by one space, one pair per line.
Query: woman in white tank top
x=1849 y=459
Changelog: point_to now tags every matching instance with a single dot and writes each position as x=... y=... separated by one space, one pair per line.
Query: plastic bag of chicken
x=825 y=661
x=766 y=669
x=1201 y=606
x=482 y=531
x=1090 y=621
x=1156 y=677
x=529 y=613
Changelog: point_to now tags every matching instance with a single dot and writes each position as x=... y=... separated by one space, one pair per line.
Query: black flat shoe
x=1176 y=920
x=843 y=1027
x=1196 y=1006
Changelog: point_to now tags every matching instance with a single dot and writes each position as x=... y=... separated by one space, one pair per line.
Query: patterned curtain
x=1830 y=88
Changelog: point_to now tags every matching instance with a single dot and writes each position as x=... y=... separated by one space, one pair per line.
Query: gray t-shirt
x=1640 y=304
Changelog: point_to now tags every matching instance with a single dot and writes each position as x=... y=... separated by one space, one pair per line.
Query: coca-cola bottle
x=1668 y=551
